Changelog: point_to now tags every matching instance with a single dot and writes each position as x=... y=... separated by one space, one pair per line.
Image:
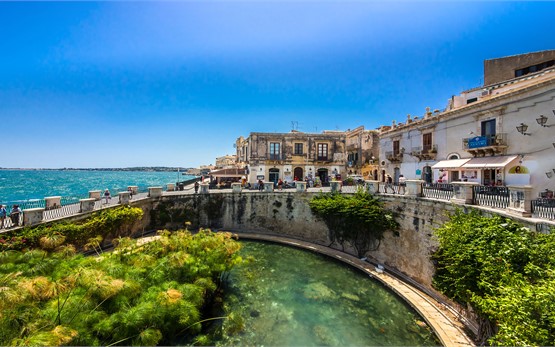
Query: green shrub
x=505 y=272
x=358 y=219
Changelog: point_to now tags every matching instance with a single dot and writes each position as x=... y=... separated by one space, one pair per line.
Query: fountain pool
x=284 y=296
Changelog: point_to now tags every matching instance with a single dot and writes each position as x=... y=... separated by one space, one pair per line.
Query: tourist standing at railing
x=130 y=190
x=196 y=187
x=14 y=215
x=3 y=214
x=107 y=195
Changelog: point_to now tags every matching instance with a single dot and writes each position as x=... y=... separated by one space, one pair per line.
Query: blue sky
x=125 y=83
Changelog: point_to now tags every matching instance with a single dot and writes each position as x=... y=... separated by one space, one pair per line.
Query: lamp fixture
x=542 y=120
x=522 y=129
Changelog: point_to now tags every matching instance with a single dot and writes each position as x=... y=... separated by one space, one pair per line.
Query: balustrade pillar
x=335 y=186
x=32 y=216
x=372 y=187
x=94 y=194
x=124 y=197
x=463 y=192
x=52 y=202
x=413 y=187
x=269 y=187
x=86 y=205
x=300 y=186
x=236 y=187
x=204 y=187
x=520 y=201
x=133 y=189
x=170 y=187
x=154 y=192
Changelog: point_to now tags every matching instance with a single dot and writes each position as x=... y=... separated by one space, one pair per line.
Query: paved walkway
x=447 y=328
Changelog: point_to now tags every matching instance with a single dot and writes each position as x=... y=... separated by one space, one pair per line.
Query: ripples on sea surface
x=22 y=185
x=293 y=297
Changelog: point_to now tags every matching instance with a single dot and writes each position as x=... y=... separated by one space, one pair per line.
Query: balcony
x=424 y=153
x=395 y=157
x=480 y=146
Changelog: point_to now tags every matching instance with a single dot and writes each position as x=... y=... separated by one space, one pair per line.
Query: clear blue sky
x=119 y=84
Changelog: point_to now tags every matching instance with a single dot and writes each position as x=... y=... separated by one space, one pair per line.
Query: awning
x=489 y=162
x=450 y=164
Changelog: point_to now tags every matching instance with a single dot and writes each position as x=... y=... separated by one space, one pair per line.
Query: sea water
x=24 y=185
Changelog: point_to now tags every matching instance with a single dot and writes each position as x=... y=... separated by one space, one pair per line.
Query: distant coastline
x=138 y=168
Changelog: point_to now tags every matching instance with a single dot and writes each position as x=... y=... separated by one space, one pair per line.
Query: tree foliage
x=358 y=219
x=139 y=294
x=505 y=272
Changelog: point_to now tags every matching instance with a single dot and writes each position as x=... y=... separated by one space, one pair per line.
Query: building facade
x=292 y=156
x=498 y=135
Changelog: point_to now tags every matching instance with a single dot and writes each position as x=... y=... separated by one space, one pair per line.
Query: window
x=488 y=128
x=469 y=101
x=322 y=151
x=534 y=68
x=274 y=151
x=298 y=148
x=427 y=142
x=396 y=147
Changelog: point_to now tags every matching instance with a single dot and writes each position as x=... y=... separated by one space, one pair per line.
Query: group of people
x=15 y=215
x=389 y=184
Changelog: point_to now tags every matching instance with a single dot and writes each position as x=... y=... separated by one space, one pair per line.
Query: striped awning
x=450 y=164
x=489 y=162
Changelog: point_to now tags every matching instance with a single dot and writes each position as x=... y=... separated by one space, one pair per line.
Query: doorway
x=298 y=174
x=323 y=175
x=427 y=174
x=274 y=175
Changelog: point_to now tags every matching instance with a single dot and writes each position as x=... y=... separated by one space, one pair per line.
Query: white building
x=497 y=134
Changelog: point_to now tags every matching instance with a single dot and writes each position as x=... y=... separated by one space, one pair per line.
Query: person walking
x=15 y=215
x=402 y=184
x=196 y=187
x=260 y=185
x=3 y=214
x=107 y=195
x=280 y=184
x=389 y=183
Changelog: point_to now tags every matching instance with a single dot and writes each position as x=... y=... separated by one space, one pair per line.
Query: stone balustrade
x=520 y=201
x=124 y=197
x=372 y=187
x=95 y=194
x=268 y=187
x=32 y=216
x=170 y=187
x=86 y=205
x=463 y=192
x=335 y=186
x=236 y=187
x=204 y=188
x=414 y=188
x=52 y=202
x=300 y=186
x=154 y=192
x=133 y=189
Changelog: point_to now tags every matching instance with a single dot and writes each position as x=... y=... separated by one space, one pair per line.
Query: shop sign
x=477 y=142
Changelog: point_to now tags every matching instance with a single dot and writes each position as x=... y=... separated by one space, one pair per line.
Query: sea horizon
x=35 y=184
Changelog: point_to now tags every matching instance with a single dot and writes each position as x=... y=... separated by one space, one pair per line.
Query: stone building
x=362 y=152
x=497 y=134
x=286 y=156
x=227 y=161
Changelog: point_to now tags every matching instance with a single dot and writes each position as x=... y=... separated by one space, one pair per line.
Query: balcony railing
x=488 y=144
x=424 y=153
x=394 y=157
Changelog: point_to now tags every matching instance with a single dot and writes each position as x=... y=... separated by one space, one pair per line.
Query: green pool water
x=285 y=296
